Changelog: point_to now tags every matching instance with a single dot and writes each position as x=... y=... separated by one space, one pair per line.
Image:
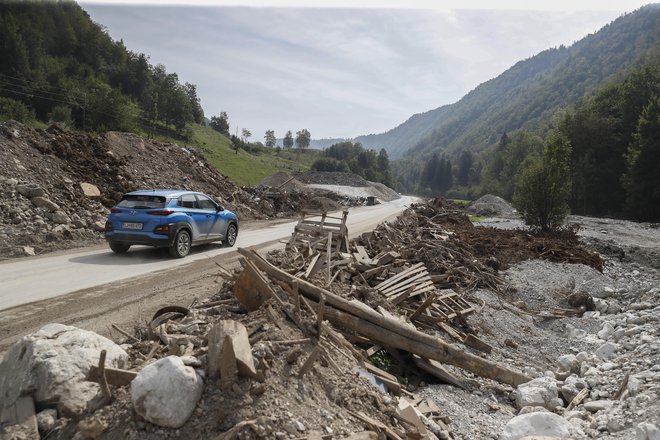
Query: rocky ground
x=584 y=329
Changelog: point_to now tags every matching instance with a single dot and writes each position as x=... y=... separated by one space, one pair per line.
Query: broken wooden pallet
x=315 y=230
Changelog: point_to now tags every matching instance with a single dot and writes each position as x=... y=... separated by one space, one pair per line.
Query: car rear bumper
x=143 y=239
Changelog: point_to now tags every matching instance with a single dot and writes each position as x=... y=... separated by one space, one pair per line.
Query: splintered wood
x=324 y=238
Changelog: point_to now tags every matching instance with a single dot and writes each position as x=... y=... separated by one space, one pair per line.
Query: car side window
x=204 y=202
x=187 y=201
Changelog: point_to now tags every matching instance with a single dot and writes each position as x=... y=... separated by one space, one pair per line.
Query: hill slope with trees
x=65 y=68
x=529 y=93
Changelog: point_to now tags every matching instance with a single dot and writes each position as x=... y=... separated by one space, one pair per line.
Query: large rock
x=541 y=391
x=540 y=424
x=52 y=364
x=43 y=202
x=29 y=190
x=166 y=392
x=90 y=190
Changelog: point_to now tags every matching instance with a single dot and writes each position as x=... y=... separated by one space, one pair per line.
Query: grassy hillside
x=245 y=168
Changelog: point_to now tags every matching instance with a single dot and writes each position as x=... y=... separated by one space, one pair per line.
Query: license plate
x=133 y=226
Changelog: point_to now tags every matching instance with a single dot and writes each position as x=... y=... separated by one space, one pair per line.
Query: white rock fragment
x=540 y=424
x=647 y=431
x=607 y=350
x=52 y=365
x=166 y=392
x=598 y=405
x=541 y=391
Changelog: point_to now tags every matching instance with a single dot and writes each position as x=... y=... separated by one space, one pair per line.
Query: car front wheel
x=230 y=237
x=119 y=248
x=181 y=245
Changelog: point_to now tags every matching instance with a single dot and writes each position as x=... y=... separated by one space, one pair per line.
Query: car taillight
x=161 y=212
x=163 y=229
x=115 y=211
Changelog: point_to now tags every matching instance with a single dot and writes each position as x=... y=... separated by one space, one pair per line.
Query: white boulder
x=52 y=364
x=541 y=391
x=647 y=431
x=166 y=392
x=544 y=424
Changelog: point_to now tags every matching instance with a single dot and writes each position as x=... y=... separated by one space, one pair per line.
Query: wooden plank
x=404 y=282
x=114 y=376
x=312 y=266
x=427 y=302
x=402 y=274
x=435 y=369
x=477 y=343
x=420 y=284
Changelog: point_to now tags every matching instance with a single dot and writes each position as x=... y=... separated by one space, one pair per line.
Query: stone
x=607 y=350
x=572 y=386
x=605 y=293
x=43 y=202
x=53 y=363
x=46 y=420
x=166 y=392
x=98 y=226
x=364 y=435
x=92 y=428
x=541 y=391
x=28 y=251
x=60 y=218
x=574 y=333
x=90 y=190
x=606 y=331
x=539 y=424
x=29 y=190
x=241 y=346
x=598 y=405
x=647 y=431
x=569 y=362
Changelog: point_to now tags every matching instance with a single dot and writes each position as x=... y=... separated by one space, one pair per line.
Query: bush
x=543 y=186
x=16 y=110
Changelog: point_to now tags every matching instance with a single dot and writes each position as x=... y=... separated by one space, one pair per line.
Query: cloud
x=339 y=72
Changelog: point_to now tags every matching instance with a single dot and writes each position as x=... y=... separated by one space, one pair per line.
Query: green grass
x=244 y=168
x=476 y=218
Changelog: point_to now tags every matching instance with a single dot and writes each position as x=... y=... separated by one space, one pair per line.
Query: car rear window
x=141 y=201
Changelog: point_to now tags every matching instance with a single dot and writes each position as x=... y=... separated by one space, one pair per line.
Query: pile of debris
x=56 y=186
x=289 y=193
x=296 y=346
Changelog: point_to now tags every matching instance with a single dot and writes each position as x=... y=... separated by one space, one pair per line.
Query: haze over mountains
x=528 y=94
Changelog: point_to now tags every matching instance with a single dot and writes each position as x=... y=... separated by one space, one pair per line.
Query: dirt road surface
x=93 y=289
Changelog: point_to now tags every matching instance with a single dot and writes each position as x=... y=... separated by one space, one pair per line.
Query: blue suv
x=175 y=219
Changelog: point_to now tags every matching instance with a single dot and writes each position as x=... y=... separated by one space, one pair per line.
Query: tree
x=270 y=138
x=642 y=179
x=288 y=140
x=544 y=185
x=220 y=123
x=465 y=163
x=303 y=138
x=245 y=135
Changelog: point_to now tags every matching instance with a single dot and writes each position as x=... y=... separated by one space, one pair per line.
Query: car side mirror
x=220 y=208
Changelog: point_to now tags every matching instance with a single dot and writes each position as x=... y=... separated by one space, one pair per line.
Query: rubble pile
x=371 y=338
x=56 y=186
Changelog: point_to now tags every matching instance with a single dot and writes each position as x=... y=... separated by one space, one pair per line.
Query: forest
x=352 y=157
x=66 y=69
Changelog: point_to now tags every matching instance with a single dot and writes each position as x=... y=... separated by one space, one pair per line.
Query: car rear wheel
x=230 y=237
x=119 y=248
x=181 y=245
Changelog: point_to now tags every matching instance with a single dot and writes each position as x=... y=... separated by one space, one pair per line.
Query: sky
x=342 y=68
